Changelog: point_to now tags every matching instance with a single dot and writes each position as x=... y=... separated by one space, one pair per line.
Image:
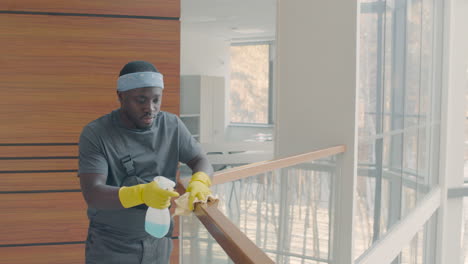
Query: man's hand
x=198 y=187
x=150 y=194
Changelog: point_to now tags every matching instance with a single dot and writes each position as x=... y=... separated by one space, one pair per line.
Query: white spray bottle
x=158 y=221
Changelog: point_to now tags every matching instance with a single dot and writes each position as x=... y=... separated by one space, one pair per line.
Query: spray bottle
x=158 y=221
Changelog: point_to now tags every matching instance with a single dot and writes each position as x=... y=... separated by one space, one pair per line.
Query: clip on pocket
x=127 y=162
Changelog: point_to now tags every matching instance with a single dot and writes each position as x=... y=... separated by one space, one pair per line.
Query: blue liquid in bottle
x=156 y=230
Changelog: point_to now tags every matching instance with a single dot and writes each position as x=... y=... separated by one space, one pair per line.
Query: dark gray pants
x=104 y=247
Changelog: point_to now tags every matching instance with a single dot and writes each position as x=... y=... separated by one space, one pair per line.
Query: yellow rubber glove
x=198 y=187
x=150 y=194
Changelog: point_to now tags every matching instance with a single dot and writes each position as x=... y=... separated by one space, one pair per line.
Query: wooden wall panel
x=161 y=8
x=50 y=181
x=53 y=254
x=40 y=161
x=38 y=151
x=42 y=218
x=38 y=165
x=59 y=73
x=59 y=66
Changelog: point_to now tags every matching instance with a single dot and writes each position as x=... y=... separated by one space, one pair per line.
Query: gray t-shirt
x=155 y=151
x=105 y=144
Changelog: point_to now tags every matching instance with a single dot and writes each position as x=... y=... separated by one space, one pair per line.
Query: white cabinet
x=202 y=106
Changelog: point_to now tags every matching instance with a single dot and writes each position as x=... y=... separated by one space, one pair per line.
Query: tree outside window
x=250 y=84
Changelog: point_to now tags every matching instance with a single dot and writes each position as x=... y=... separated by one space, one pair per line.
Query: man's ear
x=120 y=96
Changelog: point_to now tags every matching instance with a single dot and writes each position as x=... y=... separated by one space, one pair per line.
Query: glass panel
x=408 y=200
x=198 y=246
x=369 y=180
x=424 y=144
x=368 y=56
x=396 y=39
x=249 y=83
x=368 y=194
x=388 y=82
x=285 y=212
x=413 y=253
x=392 y=173
x=437 y=53
x=378 y=193
x=410 y=165
x=424 y=137
x=421 y=248
x=378 y=190
x=426 y=60
x=413 y=62
x=436 y=102
x=364 y=214
x=385 y=209
x=249 y=201
x=308 y=229
x=435 y=154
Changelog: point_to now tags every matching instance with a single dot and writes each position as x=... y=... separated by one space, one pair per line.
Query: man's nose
x=151 y=106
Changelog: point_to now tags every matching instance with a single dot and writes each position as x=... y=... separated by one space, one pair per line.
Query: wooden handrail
x=234 y=242
x=248 y=170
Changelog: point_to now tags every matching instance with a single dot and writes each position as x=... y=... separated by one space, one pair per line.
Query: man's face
x=140 y=106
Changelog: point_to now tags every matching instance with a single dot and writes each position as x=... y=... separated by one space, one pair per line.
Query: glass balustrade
x=285 y=212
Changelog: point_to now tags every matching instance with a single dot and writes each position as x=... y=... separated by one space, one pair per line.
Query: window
x=399 y=113
x=250 y=83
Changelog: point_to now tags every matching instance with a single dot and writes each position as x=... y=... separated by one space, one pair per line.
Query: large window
x=399 y=113
x=250 y=83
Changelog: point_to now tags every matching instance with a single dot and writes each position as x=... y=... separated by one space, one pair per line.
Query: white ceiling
x=230 y=19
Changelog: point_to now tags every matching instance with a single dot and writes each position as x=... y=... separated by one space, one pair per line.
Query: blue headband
x=139 y=80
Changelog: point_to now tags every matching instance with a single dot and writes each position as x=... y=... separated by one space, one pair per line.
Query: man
x=120 y=154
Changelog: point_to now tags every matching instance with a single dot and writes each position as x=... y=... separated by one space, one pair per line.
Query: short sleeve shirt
x=155 y=151
x=104 y=146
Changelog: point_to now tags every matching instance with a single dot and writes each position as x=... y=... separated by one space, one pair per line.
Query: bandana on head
x=139 y=80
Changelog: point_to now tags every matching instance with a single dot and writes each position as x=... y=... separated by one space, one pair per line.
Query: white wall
x=204 y=55
x=201 y=54
x=317 y=91
x=316 y=75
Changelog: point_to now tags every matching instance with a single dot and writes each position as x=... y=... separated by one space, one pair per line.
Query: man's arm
x=97 y=194
x=199 y=185
x=93 y=175
x=101 y=196
x=201 y=163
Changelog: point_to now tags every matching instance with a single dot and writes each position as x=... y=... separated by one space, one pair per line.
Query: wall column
x=317 y=94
